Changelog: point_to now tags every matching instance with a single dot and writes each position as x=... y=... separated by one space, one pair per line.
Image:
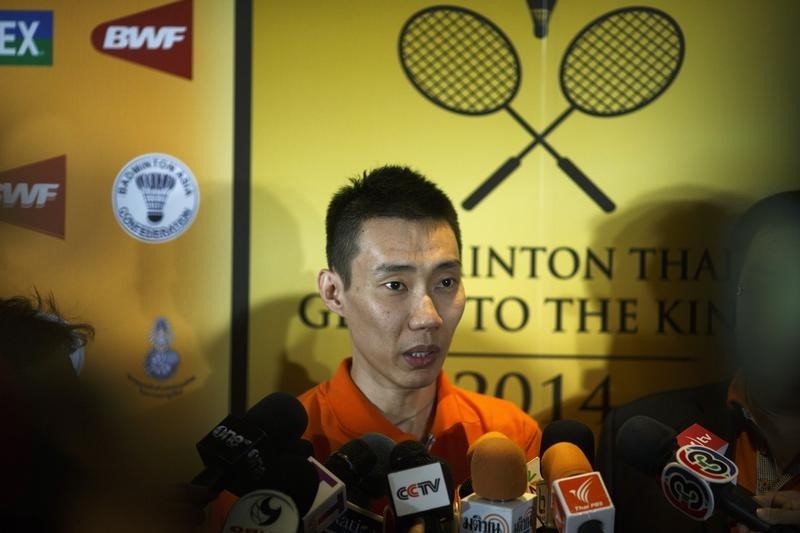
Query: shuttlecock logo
x=155 y=197
x=155 y=187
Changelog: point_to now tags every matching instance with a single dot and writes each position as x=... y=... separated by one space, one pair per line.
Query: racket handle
x=491 y=183
x=583 y=181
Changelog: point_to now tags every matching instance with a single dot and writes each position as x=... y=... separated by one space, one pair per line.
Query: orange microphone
x=501 y=501
x=578 y=496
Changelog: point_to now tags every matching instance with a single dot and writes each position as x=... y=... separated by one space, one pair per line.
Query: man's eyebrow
x=394 y=267
x=447 y=265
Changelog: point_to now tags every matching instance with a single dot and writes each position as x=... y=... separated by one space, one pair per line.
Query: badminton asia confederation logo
x=155 y=198
x=159 y=38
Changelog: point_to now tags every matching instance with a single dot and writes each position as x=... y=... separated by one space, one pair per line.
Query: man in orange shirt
x=394 y=273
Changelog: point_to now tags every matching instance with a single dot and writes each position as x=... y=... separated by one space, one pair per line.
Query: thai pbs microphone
x=571 y=431
x=235 y=449
x=362 y=464
x=578 y=495
x=501 y=502
x=696 y=480
x=420 y=490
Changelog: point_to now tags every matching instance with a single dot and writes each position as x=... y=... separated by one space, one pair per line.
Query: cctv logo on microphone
x=415 y=490
x=159 y=38
x=418 y=489
x=34 y=196
x=584 y=492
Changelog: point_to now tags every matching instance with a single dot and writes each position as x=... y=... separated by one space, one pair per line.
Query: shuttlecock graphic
x=541 y=11
x=155 y=188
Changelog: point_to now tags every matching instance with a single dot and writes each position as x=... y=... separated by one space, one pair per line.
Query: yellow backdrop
x=331 y=100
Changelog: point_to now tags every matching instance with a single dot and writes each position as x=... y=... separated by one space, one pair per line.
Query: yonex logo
x=26 y=38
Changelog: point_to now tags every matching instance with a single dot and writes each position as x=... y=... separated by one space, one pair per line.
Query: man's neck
x=410 y=410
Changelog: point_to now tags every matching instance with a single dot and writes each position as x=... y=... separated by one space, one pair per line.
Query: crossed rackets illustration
x=618 y=63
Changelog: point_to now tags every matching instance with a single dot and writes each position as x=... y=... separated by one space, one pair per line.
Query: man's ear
x=331 y=290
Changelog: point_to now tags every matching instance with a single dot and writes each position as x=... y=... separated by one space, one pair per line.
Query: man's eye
x=449 y=282
x=394 y=285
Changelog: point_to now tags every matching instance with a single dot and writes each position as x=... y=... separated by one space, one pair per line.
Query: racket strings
x=460 y=61
x=622 y=63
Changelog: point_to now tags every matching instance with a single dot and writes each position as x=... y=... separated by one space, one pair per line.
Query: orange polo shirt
x=338 y=412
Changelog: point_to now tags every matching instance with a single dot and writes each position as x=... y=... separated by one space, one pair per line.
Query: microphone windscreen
x=488 y=435
x=646 y=444
x=563 y=459
x=382 y=447
x=294 y=476
x=352 y=462
x=498 y=469
x=408 y=454
x=279 y=415
x=572 y=431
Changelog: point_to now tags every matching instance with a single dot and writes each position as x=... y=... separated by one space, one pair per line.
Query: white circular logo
x=155 y=197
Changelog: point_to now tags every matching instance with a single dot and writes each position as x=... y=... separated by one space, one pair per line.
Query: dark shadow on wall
x=276 y=255
x=673 y=219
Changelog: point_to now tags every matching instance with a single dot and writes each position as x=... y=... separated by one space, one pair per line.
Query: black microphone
x=285 y=494
x=708 y=476
x=420 y=488
x=236 y=452
x=571 y=431
x=362 y=464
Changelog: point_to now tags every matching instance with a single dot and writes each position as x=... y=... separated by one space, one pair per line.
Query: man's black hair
x=777 y=210
x=389 y=191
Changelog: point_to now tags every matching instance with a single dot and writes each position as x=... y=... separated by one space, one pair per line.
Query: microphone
x=288 y=491
x=501 y=502
x=541 y=10
x=696 y=480
x=420 y=487
x=571 y=431
x=263 y=510
x=579 y=499
x=362 y=464
x=236 y=448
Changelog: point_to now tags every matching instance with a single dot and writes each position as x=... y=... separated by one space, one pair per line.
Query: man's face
x=768 y=310
x=404 y=301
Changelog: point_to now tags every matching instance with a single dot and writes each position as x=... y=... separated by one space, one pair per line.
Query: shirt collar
x=358 y=415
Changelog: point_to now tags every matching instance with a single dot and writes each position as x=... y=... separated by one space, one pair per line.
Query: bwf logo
x=33 y=196
x=160 y=38
x=26 y=38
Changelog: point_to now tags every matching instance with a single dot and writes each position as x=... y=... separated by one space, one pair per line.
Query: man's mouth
x=422 y=355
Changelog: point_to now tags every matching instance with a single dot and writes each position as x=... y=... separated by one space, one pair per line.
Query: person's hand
x=782 y=507
x=778 y=508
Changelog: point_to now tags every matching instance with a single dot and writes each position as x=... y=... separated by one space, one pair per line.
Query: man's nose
x=425 y=315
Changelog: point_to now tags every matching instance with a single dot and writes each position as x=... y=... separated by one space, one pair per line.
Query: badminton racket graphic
x=463 y=62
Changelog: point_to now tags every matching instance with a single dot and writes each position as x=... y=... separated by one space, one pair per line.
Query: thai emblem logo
x=161 y=364
x=161 y=361
x=155 y=198
x=582 y=492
